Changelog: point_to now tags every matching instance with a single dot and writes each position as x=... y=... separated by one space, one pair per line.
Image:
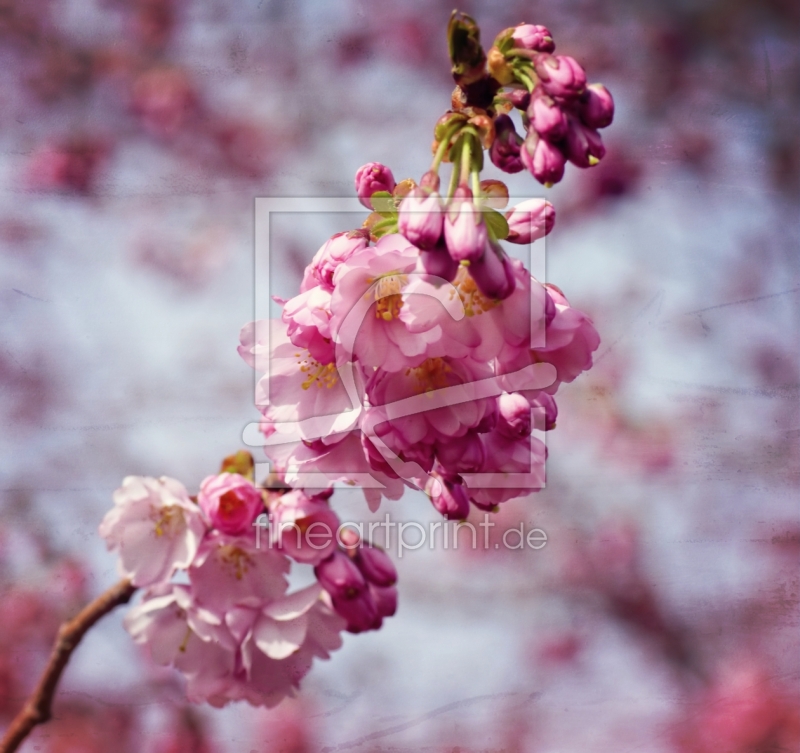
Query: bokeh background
x=663 y=613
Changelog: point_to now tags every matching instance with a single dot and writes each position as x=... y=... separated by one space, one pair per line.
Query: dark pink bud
x=385 y=599
x=514 y=419
x=420 y=218
x=370 y=179
x=430 y=181
x=584 y=146
x=520 y=98
x=493 y=274
x=546 y=117
x=437 y=264
x=544 y=160
x=504 y=151
x=461 y=454
x=376 y=566
x=530 y=220
x=448 y=497
x=545 y=412
x=340 y=576
x=360 y=612
x=531 y=37
x=560 y=75
x=597 y=106
x=464 y=231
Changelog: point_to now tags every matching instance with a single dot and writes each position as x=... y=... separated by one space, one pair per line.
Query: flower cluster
x=227 y=622
x=560 y=113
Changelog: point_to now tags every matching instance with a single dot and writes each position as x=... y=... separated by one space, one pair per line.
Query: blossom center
x=472 y=298
x=431 y=374
x=388 y=295
x=237 y=561
x=323 y=375
x=168 y=521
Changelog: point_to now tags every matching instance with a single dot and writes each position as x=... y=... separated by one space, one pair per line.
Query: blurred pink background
x=663 y=614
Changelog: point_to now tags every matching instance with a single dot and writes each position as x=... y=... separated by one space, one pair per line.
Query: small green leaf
x=496 y=224
x=383 y=203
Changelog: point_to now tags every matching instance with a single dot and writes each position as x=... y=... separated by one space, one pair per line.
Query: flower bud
x=448 y=497
x=385 y=600
x=546 y=117
x=464 y=231
x=531 y=37
x=230 y=501
x=340 y=576
x=560 y=75
x=504 y=151
x=360 y=612
x=495 y=193
x=461 y=454
x=545 y=412
x=493 y=274
x=420 y=218
x=584 y=147
x=519 y=98
x=337 y=250
x=596 y=106
x=430 y=181
x=530 y=220
x=514 y=415
x=376 y=566
x=436 y=265
x=370 y=179
x=544 y=160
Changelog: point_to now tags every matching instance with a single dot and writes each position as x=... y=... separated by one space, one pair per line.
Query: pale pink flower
x=303 y=527
x=338 y=249
x=307 y=317
x=231 y=570
x=230 y=501
x=154 y=526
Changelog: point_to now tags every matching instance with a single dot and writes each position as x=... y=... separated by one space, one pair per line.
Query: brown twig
x=38 y=708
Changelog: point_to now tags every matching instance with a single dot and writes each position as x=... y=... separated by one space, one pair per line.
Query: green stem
x=444 y=145
x=456 y=159
x=466 y=159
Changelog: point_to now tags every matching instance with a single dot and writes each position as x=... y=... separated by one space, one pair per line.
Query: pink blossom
x=303 y=527
x=370 y=179
x=230 y=501
x=331 y=254
x=533 y=37
x=530 y=220
x=514 y=419
x=307 y=317
x=231 y=570
x=155 y=527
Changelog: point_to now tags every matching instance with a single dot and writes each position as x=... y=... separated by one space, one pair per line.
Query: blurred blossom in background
x=663 y=613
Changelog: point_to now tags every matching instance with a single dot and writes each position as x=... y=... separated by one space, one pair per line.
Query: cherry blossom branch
x=38 y=708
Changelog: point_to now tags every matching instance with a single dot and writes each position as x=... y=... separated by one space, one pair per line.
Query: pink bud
x=337 y=250
x=465 y=231
x=420 y=218
x=230 y=501
x=547 y=414
x=461 y=454
x=597 y=106
x=436 y=264
x=448 y=497
x=514 y=420
x=520 y=98
x=376 y=566
x=385 y=599
x=370 y=179
x=493 y=274
x=504 y=151
x=340 y=576
x=360 y=612
x=530 y=220
x=303 y=527
x=584 y=146
x=531 y=37
x=544 y=160
x=546 y=117
x=560 y=75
